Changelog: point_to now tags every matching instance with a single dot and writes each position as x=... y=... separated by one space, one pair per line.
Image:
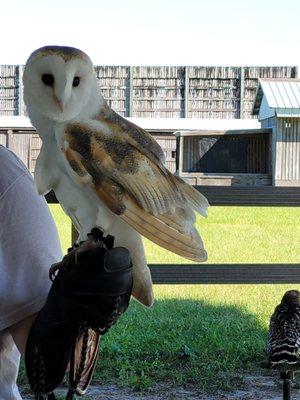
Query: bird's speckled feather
x=283 y=348
x=134 y=184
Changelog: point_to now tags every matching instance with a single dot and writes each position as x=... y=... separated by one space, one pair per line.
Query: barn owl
x=105 y=171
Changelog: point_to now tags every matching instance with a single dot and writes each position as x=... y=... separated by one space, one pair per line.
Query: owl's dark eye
x=48 y=79
x=76 y=81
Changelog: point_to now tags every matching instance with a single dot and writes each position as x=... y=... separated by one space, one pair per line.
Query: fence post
x=130 y=102
x=242 y=87
x=10 y=136
x=20 y=89
x=180 y=155
x=186 y=92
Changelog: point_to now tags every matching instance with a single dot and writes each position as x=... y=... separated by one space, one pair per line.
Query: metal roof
x=283 y=95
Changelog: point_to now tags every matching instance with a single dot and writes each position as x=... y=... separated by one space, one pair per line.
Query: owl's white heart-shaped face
x=58 y=82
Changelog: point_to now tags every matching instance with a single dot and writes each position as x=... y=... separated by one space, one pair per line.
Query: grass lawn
x=203 y=334
x=230 y=234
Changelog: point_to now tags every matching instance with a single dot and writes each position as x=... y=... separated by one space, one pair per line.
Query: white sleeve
x=29 y=244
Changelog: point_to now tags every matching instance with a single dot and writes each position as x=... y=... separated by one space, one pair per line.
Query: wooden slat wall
x=35 y=147
x=214 y=92
x=115 y=87
x=3 y=139
x=168 y=144
x=287 y=171
x=9 y=90
x=18 y=143
x=158 y=92
x=164 y=91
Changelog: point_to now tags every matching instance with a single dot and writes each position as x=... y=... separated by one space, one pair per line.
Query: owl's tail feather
x=172 y=231
x=169 y=234
x=191 y=195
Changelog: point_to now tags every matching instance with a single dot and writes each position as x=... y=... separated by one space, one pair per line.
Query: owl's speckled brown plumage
x=129 y=176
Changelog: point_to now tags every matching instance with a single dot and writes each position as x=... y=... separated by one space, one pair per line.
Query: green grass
x=201 y=335
x=230 y=234
x=205 y=335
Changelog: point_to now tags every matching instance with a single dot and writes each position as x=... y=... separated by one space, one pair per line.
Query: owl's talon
x=96 y=233
x=75 y=246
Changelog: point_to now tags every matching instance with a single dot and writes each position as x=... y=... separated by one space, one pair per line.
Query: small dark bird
x=284 y=333
x=283 y=349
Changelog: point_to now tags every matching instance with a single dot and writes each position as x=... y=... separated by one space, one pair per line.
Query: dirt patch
x=256 y=388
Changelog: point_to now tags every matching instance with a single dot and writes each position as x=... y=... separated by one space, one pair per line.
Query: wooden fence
x=216 y=273
x=164 y=91
x=228 y=273
x=25 y=143
x=225 y=273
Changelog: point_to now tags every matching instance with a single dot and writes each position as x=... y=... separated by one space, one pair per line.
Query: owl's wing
x=135 y=135
x=134 y=184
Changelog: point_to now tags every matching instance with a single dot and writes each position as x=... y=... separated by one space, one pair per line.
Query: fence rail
x=220 y=273
x=252 y=196
x=241 y=196
x=225 y=273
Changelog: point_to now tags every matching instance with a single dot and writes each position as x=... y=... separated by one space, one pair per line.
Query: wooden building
x=238 y=157
x=11 y=90
x=17 y=134
x=249 y=157
x=164 y=91
x=277 y=105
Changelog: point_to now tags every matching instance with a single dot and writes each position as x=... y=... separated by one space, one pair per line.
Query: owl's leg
x=85 y=219
x=105 y=220
x=129 y=238
x=82 y=229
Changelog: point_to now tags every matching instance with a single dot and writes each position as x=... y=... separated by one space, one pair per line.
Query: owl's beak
x=59 y=103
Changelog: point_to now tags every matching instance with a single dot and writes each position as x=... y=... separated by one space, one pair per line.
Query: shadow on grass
x=182 y=342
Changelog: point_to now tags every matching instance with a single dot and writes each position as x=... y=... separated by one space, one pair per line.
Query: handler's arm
x=29 y=244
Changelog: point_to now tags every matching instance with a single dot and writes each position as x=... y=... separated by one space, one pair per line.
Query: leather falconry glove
x=91 y=289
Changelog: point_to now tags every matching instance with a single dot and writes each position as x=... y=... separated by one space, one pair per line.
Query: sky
x=156 y=32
